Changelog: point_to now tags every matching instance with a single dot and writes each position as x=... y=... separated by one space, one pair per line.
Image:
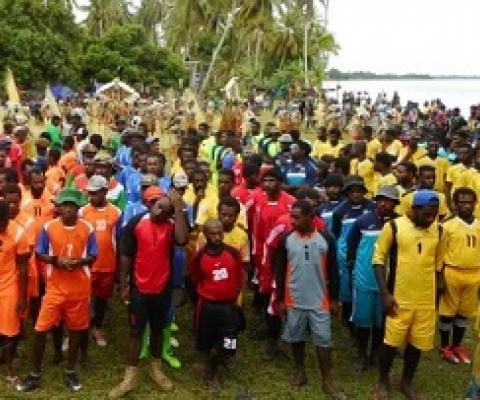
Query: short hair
x=54 y=154
x=384 y=158
x=37 y=171
x=306 y=192
x=343 y=164
x=69 y=141
x=335 y=131
x=96 y=140
x=12 y=188
x=368 y=129
x=199 y=171
x=409 y=166
x=273 y=172
x=25 y=163
x=227 y=172
x=304 y=206
x=160 y=156
x=45 y=135
x=462 y=191
x=229 y=201
x=255 y=159
x=333 y=180
x=426 y=168
x=249 y=169
x=4 y=211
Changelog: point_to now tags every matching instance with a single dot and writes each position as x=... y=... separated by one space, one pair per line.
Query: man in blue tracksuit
x=367 y=311
x=343 y=218
x=333 y=185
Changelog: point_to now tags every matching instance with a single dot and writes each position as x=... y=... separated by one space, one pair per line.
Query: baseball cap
x=152 y=193
x=151 y=139
x=149 y=180
x=425 y=197
x=89 y=148
x=96 y=183
x=180 y=181
x=103 y=158
x=388 y=191
x=70 y=196
x=354 y=181
x=285 y=138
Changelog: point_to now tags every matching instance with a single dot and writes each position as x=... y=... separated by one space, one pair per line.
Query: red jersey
x=283 y=225
x=106 y=223
x=246 y=197
x=266 y=214
x=150 y=244
x=218 y=277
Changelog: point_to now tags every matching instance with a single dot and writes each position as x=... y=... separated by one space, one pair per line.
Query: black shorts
x=148 y=308
x=217 y=326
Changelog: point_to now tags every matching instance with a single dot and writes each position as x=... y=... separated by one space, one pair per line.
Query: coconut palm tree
x=102 y=14
x=150 y=15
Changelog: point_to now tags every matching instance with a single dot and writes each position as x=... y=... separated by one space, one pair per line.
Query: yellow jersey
x=325 y=148
x=236 y=238
x=208 y=209
x=414 y=264
x=394 y=148
x=365 y=170
x=406 y=204
x=460 y=175
x=460 y=243
x=380 y=180
x=441 y=166
x=416 y=156
x=373 y=148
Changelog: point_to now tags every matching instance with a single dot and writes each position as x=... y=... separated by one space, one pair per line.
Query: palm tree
x=150 y=15
x=102 y=14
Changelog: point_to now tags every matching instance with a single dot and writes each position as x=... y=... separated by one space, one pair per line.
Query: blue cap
x=425 y=197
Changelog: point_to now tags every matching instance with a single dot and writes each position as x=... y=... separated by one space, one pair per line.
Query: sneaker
x=473 y=392
x=31 y=382
x=448 y=355
x=129 y=383
x=159 y=377
x=65 y=344
x=99 y=338
x=462 y=354
x=71 y=380
x=174 y=342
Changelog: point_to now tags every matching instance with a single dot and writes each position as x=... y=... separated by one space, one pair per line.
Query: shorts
x=217 y=326
x=151 y=309
x=461 y=292
x=103 y=284
x=302 y=325
x=367 y=310
x=416 y=327
x=55 y=308
x=10 y=319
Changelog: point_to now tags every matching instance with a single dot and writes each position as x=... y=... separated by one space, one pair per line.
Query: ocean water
x=460 y=93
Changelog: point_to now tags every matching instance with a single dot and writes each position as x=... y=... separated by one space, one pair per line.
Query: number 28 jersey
x=70 y=242
x=460 y=243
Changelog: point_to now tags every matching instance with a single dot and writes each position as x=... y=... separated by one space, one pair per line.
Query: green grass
x=262 y=380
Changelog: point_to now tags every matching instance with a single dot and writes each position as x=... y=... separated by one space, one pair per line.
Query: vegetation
x=259 y=41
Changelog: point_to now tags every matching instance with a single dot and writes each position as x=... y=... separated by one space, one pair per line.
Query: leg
x=377 y=338
x=57 y=337
x=411 y=359
x=274 y=325
x=446 y=324
x=363 y=336
x=38 y=351
x=99 y=309
x=9 y=344
x=298 y=352
x=77 y=339
x=386 y=356
x=460 y=324
x=133 y=350
x=346 y=314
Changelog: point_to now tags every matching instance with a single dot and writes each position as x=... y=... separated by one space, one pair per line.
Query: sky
x=406 y=36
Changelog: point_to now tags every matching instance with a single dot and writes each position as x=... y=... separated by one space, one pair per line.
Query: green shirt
x=55 y=136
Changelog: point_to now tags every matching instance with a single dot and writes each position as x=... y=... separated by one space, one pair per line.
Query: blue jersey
x=131 y=211
x=300 y=173
x=326 y=212
x=124 y=156
x=132 y=186
x=124 y=173
x=361 y=242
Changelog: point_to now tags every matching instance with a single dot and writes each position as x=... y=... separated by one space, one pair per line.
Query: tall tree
x=150 y=15
x=103 y=14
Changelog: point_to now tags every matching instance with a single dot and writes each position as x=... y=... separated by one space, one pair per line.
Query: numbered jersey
x=460 y=243
x=219 y=277
x=68 y=242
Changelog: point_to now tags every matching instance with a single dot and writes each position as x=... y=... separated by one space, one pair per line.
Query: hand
x=334 y=308
x=390 y=305
x=176 y=199
x=21 y=306
x=441 y=283
x=125 y=295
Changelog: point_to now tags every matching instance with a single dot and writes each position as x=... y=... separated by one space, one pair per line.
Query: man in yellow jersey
x=460 y=255
x=410 y=245
x=363 y=166
x=373 y=144
x=440 y=164
x=391 y=144
x=425 y=180
x=459 y=174
x=412 y=152
x=332 y=147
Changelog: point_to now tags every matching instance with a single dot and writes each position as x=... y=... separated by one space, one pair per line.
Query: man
x=367 y=310
x=363 y=166
x=440 y=164
x=373 y=144
x=320 y=145
x=14 y=255
x=409 y=292
x=55 y=132
x=146 y=251
x=139 y=207
x=116 y=192
x=405 y=173
x=331 y=148
x=218 y=276
x=460 y=255
x=105 y=219
x=299 y=168
x=69 y=157
x=343 y=218
x=80 y=181
x=412 y=152
x=303 y=266
x=333 y=185
x=383 y=171
x=41 y=146
x=459 y=175
x=68 y=246
x=55 y=174
x=155 y=164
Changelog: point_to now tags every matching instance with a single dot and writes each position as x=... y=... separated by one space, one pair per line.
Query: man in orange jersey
x=55 y=174
x=14 y=253
x=69 y=158
x=69 y=247
x=105 y=219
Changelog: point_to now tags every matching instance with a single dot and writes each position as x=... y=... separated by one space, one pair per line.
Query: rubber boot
x=159 y=377
x=167 y=351
x=129 y=383
x=145 y=350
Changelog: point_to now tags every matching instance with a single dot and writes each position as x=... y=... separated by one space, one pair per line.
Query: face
x=206 y=168
x=333 y=192
x=89 y=166
x=322 y=134
x=424 y=216
x=465 y=205
x=228 y=217
x=161 y=210
x=427 y=179
x=225 y=185
x=68 y=213
x=402 y=174
x=300 y=222
x=271 y=185
x=37 y=183
x=334 y=138
x=463 y=154
x=222 y=140
x=385 y=206
x=98 y=198
x=214 y=234
x=356 y=194
x=189 y=167
x=154 y=166
x=432 y=148
x=313 y=202
x=13 y=201
x=199 y=182
x=104 y=170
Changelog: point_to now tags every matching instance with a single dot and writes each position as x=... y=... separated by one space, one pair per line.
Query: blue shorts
x=367 y=310
x=345 y=292
x=302 y=325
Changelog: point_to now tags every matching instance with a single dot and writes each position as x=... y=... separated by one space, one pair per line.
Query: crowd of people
x=377 y=224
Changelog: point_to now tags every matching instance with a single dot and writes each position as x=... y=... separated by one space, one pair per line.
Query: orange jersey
x=106 y=222
x=55 y=179
x=70 y=242
x=68 y=161
x=42 y=210
x=27 y=222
